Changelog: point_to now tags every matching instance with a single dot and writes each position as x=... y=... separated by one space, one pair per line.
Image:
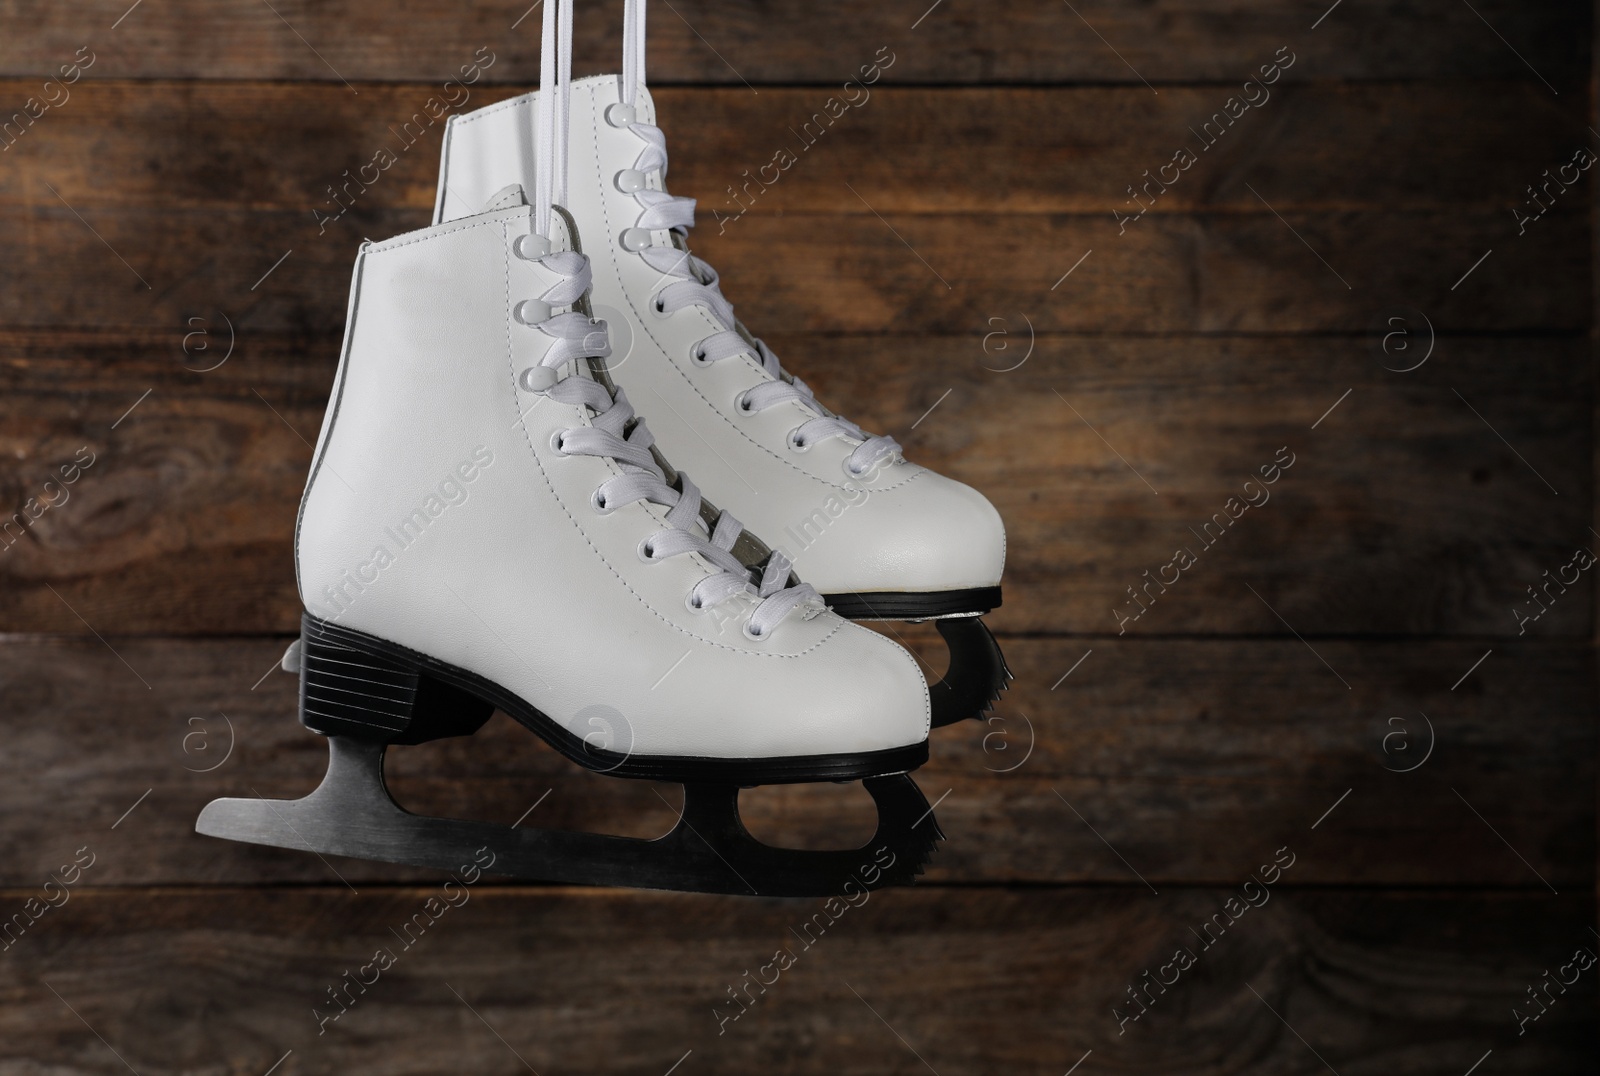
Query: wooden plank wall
x=1354 y=682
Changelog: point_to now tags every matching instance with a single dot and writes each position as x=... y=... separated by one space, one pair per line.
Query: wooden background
x=1358 y=625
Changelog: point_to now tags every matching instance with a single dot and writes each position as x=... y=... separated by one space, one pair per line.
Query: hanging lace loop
x=633 y=42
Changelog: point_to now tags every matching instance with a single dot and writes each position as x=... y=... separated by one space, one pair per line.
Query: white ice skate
x=487 y=525
x=879 y=537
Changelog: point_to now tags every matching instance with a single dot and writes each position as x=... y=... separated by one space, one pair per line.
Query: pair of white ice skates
x=488 y=524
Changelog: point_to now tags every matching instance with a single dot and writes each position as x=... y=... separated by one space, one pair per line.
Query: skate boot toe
x=923 y=533
x=878 y=697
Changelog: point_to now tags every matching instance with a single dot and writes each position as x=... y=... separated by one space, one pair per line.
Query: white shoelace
x=614 y=431
x=551 y=118
x=696 y=283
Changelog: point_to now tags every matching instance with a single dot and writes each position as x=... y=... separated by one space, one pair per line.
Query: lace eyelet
x=629 y=180
x=597 y=501
x=557 y=443
x=852 y=472
x=620 y=115
x=658 y=307
x=647 y=551
x=694 y=605
x=537 y=379
x=697 y=355
x=531 y=312
x=753 y=636
x=530 y=247
x=742 y=402
x=795 y=444
x=635 y=239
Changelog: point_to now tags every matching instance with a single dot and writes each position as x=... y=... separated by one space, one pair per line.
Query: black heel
x=348 y=689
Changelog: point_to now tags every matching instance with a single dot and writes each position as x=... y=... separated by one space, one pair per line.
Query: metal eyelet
x=597 y=501
x=635 y=239
x=530 y=247
x=629 y=180
x=620 y=115
x=531 y=312
x=795 y=444
x=557 y=443
x=647 y=551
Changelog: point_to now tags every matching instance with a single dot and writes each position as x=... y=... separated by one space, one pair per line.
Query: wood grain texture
x=1022 y=150
x=1203 y=273
x=1404 y=512
x=879 y=234
x=1347 y=678
x=1134 y=446
x=976 y=981
x=1186 y=756
x=735 y=42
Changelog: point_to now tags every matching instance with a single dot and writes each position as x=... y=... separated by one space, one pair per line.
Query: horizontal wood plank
x=972 y=981
x=1182 y=756
x=1022 y=150
x=738 y=43
x=1107 y=456
x=1404 y=512
x=1203 y=273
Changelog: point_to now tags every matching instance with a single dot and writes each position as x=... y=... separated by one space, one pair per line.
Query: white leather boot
x=878 y=536
x=486 y=525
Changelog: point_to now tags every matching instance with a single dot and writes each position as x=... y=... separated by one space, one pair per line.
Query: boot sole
x=358 y=685
x=901 y=605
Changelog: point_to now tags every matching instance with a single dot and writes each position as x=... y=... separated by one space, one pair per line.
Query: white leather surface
x=904 y=528
x=511 y=573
